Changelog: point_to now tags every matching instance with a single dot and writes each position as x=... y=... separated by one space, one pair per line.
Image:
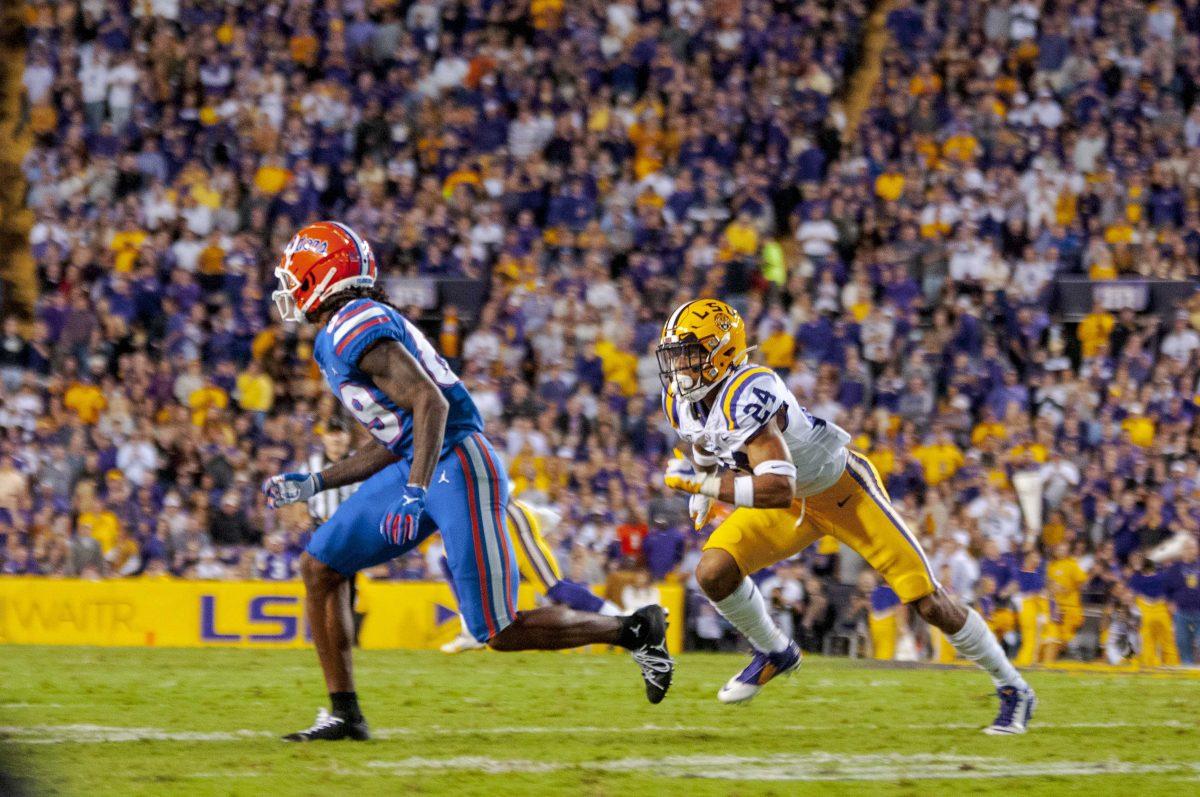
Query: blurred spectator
x=586 y=170
x=1183 y=592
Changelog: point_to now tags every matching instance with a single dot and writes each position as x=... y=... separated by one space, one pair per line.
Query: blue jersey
x=343 y=341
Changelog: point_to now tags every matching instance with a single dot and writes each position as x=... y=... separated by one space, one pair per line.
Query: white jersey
x=750 y=398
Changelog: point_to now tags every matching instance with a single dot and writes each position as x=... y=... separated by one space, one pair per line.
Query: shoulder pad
x=750 y=399
x=356 y=325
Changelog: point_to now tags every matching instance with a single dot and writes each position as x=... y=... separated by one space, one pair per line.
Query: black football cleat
x=649 y=627
x=331 y=728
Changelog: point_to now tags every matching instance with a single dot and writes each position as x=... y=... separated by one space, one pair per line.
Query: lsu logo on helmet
x=702 y=342
x=322 y=259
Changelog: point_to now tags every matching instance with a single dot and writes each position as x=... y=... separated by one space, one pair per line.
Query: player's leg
x=745 y=542
x=468 y=506
x=327 y=608
x=326 y=604
x=346 y=543
x=464 y=641
x=538 y=565
x=857 y=511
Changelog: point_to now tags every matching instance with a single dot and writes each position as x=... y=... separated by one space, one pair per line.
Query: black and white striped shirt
x=322 y=505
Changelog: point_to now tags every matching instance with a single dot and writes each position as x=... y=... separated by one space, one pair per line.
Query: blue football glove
x=288 y=488
x=400 y=522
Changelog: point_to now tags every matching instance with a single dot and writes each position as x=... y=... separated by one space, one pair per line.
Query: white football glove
x=288 y=488
x=700 y=510
x=685 y=476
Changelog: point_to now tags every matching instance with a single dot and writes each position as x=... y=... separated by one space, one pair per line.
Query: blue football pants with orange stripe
x=536 y=562
x=856 y=510
x=466 y=502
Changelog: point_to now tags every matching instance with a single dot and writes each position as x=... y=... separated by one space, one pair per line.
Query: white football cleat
x=462 y=643
x=1016 y=710
x=762 y=668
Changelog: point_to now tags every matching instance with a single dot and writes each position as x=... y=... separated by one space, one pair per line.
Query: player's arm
x=290 y=488
x=362 y=464
x=771 y=485
x=397 y=374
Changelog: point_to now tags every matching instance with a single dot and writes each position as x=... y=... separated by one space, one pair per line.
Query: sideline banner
x=134 y=612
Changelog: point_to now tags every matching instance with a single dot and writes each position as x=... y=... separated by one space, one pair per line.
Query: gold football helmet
x=702 y=342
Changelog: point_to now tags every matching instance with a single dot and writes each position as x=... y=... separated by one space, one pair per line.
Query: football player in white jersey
x=792 y=479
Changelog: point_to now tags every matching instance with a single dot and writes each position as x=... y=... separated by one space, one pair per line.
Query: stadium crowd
x=595 y=164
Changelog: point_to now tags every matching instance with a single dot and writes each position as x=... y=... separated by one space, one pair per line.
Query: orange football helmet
x=324 y=258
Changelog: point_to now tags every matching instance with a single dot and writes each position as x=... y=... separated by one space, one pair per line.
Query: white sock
x=610 y=609
x=976 y=642
x=747 y=611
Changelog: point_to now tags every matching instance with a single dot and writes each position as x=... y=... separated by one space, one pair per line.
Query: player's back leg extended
x=527 y=527
x=537 y=564
x=467 y=502
x=858 y=511
x=748 y=540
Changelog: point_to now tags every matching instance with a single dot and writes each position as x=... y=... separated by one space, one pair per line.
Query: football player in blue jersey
x=431 y=469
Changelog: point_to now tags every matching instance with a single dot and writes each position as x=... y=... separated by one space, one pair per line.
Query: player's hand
x=399 y=524
x=288 y=488
x=700 y=509
x=683 y=475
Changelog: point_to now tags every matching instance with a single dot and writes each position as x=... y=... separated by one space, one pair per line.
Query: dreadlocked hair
x=343 y=298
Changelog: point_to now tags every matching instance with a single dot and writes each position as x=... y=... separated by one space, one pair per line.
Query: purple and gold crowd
x=594 y=164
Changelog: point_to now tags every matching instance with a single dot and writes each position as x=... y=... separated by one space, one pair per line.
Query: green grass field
x=88 y=721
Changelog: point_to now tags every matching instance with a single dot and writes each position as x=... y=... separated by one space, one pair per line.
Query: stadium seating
x=992 y=275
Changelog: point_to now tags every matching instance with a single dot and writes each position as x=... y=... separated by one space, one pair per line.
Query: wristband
x=703 y=459
x=318 y=483
x=743 y=491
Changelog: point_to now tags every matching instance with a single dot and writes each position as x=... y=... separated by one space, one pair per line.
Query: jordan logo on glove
x=401 y=523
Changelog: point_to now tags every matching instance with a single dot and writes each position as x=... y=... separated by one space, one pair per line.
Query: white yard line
x=86 y=733
x=787 y=767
